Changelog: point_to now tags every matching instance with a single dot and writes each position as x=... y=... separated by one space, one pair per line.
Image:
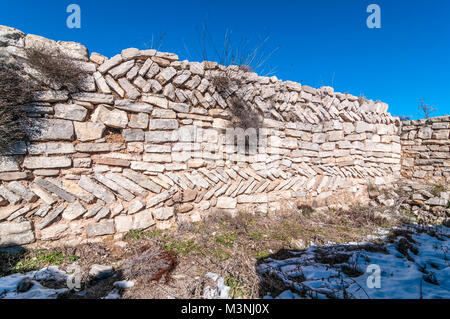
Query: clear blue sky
x=321 y=42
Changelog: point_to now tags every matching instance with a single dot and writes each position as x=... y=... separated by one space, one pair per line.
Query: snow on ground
x=341 y=271
x=9 y=284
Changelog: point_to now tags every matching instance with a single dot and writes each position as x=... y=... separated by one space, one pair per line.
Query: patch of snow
x=124 y=284
x=113 y=295
x=8 y=284
x=426 y=275
x=220 y=291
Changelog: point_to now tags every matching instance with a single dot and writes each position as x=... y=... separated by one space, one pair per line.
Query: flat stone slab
x=89 y=131
x=95 y=189
x=8 y=164
x=22 y=191
x=52 y=188
x=74 y=211
x=50 y=218
x=94 y=98
x=126 y=183
x=15 y=234
x=155 y=200
x=42 y=193
x=100 y=229
x=47 y=162
x=114 y=187
x=9 y=196
x=51 y=148
x=13 y=176
x=50 y=130
x=163 y=213
x=99 y=147
x=142 y=181
x=72 y=112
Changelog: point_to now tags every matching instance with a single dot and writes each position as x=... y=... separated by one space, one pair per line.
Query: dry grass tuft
x=149 y=264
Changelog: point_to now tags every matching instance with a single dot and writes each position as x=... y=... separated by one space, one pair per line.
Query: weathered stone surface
x=111 y=161
x=10 y=36
x=123 y=223
x=126 y=183
x=161 y=137
x=143 y=220
x=125 y=194
x=43 y=210
x=122 y=69
x=50 y=148
x=137 y=107
x=5 y=212
x=155 y=200
x=89 y=131
x=55 y=190
x=130 y=90
x=42 y=193
x=94 y=98
x=94 y=210
x=50 y=130
x=99 y=147
x=9 y=196
x=50 y=96
x=95 y=189
x=252 y=199
x=158 y=124
x=155 y=100
x=8 y=164
x=101 y=83
x=133 y=135
x=108 y=64
x=14 y=234
x=13 y=176
x=102 y=213
x=144 y=166
x=114 y=85
x=163 y=213
x=74 y=211
x=139 y=120
x=436 y=201
x=72 y=112
x=100 y=229
x=142 y=181
x=54 y=232
x=22 y=191
x=50 y=218
x=226 y=202
x=47 y=162
x=135 y=206
x=19 y=213
x=111 y=117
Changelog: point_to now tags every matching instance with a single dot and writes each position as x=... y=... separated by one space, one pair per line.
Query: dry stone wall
x=151 y=141
x=426 y=149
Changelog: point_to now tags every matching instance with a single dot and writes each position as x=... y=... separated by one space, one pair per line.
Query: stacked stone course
x=144 y=144
x=426 y=149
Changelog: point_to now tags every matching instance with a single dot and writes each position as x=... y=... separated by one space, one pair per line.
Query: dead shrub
x=15 y=87
x=247 y=116
x=149 y=264
x=11 y=127
x=58 y=69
